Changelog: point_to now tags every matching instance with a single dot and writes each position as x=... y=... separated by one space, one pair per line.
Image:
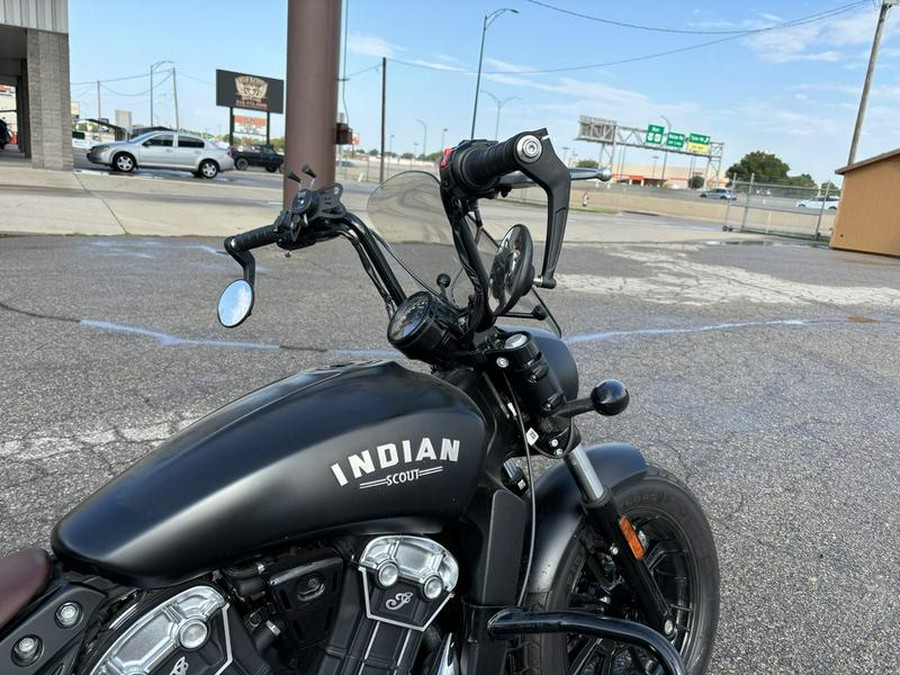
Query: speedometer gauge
x=409 y=318
x=421 y=328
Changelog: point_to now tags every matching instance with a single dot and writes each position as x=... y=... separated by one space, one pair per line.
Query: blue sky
x=793 y=91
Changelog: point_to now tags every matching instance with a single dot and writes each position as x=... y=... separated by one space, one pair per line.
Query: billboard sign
x=251 y=92
x=250 y=126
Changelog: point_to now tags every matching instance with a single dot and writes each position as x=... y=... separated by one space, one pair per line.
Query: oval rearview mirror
x=235 y=303
x=512 y=271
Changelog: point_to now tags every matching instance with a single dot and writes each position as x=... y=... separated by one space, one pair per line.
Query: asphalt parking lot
x=765 y=374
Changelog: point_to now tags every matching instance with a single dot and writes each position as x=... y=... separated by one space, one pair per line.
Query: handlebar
x=474 y=170
x=261 y=236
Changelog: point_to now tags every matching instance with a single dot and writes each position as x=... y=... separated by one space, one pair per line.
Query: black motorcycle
x=373 y=518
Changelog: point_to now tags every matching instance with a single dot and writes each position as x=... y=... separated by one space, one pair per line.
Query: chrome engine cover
x=193 y=632
x=407 y=580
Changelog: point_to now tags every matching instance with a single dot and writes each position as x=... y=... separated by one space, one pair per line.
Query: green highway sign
x=675 y=140
x=698 y=143
x=654 y=135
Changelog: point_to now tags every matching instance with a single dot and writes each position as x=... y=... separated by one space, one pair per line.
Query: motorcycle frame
x=500 y=526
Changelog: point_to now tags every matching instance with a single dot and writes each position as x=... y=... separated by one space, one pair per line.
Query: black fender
x=559 y=510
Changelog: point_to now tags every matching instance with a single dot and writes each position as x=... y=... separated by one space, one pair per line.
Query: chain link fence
x=773 y=208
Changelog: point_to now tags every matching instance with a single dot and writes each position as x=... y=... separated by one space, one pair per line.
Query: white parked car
x=831 y=203
x=164 y=150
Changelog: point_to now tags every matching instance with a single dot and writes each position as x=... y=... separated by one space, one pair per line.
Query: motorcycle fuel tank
x=366 y=447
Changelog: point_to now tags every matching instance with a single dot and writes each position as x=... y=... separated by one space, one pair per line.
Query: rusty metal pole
x=313 y=49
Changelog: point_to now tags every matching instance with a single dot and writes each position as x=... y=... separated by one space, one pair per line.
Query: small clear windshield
x=408 y=218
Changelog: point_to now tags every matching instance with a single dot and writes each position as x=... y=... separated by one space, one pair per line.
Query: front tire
x=271 y=169
x=123 y=162
x=681 y=554
x=241 y=164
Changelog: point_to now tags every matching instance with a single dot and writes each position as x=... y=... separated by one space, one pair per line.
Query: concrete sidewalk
x=34 y=201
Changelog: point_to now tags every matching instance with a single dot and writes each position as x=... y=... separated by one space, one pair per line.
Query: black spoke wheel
x=681 y=556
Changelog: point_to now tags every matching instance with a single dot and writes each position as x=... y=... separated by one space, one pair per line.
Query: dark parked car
x=265 y=156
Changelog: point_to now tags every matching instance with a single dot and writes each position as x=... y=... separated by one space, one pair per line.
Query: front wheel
x=241 y=164
x=123 y=162
x=271 y=169
x=681 y=556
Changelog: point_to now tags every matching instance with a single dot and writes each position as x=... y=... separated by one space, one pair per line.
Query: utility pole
x=857 y=130
x=175 y=91
x=99 y=114
x=383 y=109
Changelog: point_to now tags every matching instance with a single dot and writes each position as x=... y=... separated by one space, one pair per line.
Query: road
x=764 y=374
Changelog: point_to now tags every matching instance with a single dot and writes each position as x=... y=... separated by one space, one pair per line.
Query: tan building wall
x=868 y=219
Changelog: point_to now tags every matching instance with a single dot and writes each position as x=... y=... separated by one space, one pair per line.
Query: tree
x=767 y=167
x=804 y=180
x=373 y=152
x=406 y=155
x=830 y=188
x=588 y=164
x=696 y=182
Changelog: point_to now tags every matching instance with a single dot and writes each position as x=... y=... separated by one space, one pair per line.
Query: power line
x=196 y=79
x=116 y=79
x=668 y=52
x=680 y=31
x=141 y=93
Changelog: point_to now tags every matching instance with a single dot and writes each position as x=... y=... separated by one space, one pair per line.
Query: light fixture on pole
x=665 y=152
x=500 y=105
x=152 y=70
x=488 y=20
x=424 y=137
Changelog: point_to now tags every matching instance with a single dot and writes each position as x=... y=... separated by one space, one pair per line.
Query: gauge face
x=409 y=317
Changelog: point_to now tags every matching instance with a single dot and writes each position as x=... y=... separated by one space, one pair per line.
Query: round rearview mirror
x=512 y=272
x=605 y=174
x=235 y=303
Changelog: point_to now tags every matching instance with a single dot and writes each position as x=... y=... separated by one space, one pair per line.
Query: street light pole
x=653 y=170
x=443 y=136
x=665 y=152
x=500 y=105
x=152 y=69
x=425 y=137
x=488 y=20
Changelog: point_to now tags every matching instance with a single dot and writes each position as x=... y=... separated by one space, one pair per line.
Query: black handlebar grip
x=479 y=167
x=261 y=236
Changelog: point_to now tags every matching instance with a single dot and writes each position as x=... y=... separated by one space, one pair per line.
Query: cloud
x=446 y=57
x=439 y=66
x=820 y=41
x=372 y=45
x=506 y=67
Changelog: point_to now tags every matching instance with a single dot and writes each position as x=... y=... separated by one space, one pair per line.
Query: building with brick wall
x=34 y=60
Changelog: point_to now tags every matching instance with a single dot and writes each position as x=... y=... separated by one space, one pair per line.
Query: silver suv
x=719 y=193
x=164 y=150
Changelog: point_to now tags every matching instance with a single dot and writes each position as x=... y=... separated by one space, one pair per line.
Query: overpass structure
x=612 y=136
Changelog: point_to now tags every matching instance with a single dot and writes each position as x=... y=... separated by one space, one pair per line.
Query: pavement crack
x=97 y=195
x=36 y=315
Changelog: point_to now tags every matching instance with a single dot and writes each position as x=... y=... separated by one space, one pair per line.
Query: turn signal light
x=637 y=549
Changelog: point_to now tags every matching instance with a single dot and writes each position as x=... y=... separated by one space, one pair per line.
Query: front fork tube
x=604 y=516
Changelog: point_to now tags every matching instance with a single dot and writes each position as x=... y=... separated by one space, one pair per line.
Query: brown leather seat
x=22 y=576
